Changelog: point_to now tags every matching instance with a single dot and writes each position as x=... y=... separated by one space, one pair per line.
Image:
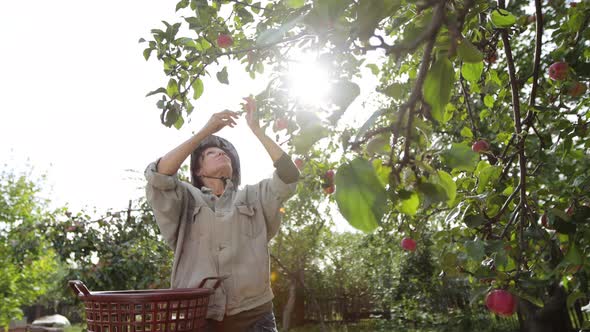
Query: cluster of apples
x=560 y=71
x=328 y=182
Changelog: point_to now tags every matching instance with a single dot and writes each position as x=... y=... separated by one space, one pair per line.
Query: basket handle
x=79 y=288
x=217 y=283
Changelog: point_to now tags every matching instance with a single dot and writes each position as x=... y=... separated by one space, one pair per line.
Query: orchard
x=476 y=134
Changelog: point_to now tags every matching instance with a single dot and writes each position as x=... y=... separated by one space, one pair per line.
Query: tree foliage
x=117 y=251
x=27 y=262
x=451 y=73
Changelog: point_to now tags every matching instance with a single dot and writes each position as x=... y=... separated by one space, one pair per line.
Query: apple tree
x=27 y=262
x=479 y=133
x=110 y=252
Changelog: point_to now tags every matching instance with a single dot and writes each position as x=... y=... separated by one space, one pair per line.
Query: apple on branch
x=224 y=41
x=280 y=124
x=501 y=302
x=576 y=89
x=299 y=163
x=558 y=71
x=480 y=146
x=408 y=244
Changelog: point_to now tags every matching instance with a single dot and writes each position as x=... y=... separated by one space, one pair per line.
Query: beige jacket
x=214 y=236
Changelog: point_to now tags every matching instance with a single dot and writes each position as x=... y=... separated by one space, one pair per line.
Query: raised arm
x=171 y=161
x=274 y=150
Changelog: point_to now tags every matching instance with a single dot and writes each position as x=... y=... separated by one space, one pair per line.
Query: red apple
x=330 y=189
x=545 y=221
x=250 y=105
x=408 y=244
x=573 y=4
x=501 y=302
x=281 y=123
x=251 y=56
x=224 y=41
x=299 y=163
x=330 y=174
x=558 y=71
x=491 y=57
x=480 y=146
x=570 y=211
x=577 y=89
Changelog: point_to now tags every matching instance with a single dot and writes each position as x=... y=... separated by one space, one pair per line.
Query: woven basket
x=157 y=310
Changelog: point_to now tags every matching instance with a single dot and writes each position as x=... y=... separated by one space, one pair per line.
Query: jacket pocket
x=247 y=221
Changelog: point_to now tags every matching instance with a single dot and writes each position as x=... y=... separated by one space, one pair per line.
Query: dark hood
x=225 y=145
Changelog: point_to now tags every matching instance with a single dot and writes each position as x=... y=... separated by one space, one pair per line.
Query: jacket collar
x=229 y=185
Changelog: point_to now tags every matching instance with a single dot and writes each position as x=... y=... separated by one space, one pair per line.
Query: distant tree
x=27 y=260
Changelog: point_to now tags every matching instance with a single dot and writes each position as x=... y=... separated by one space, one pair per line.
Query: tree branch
x=468 y=105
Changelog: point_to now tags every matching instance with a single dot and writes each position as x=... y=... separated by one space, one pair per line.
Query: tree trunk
x=299 y=314
x=290 y=305
x=552 y=317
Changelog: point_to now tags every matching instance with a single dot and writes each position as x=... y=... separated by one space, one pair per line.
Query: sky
x=73 y=82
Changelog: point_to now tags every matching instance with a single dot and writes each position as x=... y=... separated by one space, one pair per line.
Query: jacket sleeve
x=165 y=194
x=273 y=193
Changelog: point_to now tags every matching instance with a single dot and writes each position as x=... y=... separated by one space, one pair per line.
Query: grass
x=80 y=327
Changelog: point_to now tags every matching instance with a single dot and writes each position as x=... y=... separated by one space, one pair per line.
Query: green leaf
x=468 y=52
x=438 y=86
x=502 y=18
x=466 y=132
x=172 y=88
x=574 y=255
x=472 y=71
x=374 y=68
x=306 y=119
x=269 y=36
x=433 y=193
x=307 y=137
x=395 y=90
x=344 y=93
x=488 y=100
x=460 y=157
x=147 y=52
x=197 y=88
x=475 y=250
x=382 y=171
x=370 y=121
x=158 y=90
x=294 y=4
x=179 y=122
x=486 y=174
x=359 y=194
x=370 y=13
x=446 y=182
x=182 y=4
x=410 y=205
x=171 y=118
x=575 y=22
x=473 y=221
x=222 y=76
x=378 y=145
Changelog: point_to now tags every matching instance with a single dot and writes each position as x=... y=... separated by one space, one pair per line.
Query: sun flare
x=308 y=82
